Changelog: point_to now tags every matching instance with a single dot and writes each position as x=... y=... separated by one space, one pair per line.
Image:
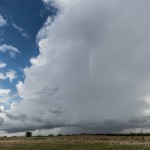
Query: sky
x=74 y=66
x=19 y=24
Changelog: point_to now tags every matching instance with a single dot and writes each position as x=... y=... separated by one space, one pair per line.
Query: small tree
x=59 y=135
x=28 y=134
x=50 y=135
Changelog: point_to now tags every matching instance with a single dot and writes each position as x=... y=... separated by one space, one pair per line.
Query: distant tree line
x=29 y=134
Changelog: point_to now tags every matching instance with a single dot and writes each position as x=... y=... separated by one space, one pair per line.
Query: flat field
x=86 y=142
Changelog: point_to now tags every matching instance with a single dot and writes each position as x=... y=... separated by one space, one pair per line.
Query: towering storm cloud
x=92 y=73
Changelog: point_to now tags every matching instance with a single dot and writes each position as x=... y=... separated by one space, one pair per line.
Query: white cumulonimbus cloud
x=11 y=50
x=3 y=22
x=92 y=72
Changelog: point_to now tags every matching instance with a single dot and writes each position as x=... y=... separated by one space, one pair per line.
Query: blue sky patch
x=20 y=21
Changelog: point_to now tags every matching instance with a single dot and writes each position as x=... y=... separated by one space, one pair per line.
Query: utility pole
x=142 y=135
x=132 y=135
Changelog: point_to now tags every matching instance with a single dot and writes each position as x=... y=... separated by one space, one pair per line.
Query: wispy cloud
x=11 y=75
x=12 y=51
x=21 y=31
x=4 y=92
x=2 y=76
x=4 y=95
x=2 y=65
x=3 y=22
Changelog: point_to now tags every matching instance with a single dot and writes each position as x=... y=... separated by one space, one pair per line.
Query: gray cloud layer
x=92 y=72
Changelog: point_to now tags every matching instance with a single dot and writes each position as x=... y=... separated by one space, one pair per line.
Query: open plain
x=77 y=142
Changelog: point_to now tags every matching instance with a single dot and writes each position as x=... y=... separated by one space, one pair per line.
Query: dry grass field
x=75 y=143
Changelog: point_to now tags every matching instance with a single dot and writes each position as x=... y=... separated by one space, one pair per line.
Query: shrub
x=28 y=134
